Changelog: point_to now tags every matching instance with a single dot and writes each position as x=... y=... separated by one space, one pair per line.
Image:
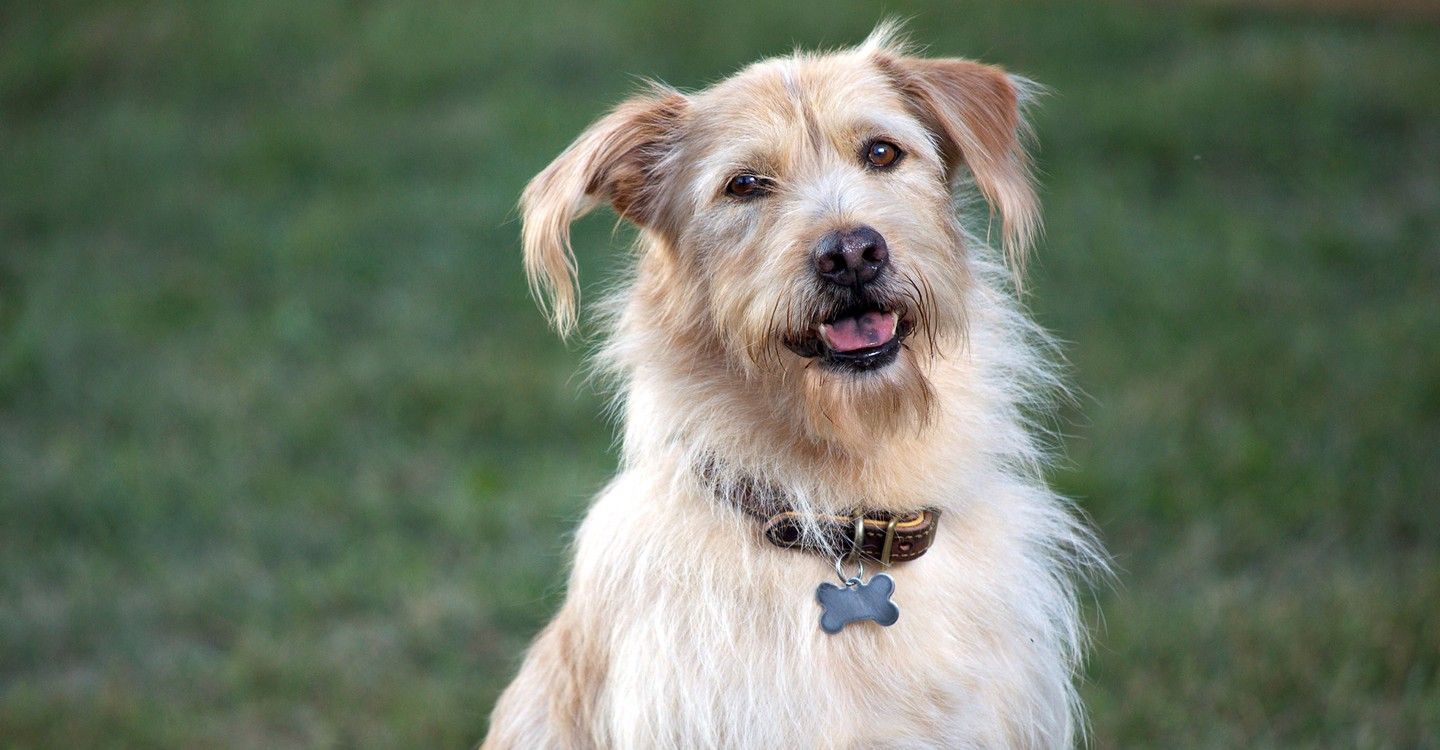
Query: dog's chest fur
x=714 y=640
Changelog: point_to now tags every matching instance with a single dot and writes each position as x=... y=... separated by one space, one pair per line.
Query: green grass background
x=287 y=457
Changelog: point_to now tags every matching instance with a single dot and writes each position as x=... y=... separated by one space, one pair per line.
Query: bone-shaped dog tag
x=856 y=600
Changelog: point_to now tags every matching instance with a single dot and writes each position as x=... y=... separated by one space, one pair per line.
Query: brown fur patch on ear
x=974 y=111
x=615 y=160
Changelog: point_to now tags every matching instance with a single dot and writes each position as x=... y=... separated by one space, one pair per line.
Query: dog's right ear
x=614 y=160
x=974 y=111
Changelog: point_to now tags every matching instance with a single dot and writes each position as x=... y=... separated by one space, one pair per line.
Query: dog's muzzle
x=862 y=332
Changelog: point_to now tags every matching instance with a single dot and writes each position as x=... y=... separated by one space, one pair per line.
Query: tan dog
x=810 y=336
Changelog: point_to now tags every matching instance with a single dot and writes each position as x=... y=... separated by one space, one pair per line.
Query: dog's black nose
x=851 y=257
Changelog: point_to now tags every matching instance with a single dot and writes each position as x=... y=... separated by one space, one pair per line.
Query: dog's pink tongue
x=860 y=332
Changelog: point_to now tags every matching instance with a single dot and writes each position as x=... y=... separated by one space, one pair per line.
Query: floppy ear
x=974 y=112
x=614 y=160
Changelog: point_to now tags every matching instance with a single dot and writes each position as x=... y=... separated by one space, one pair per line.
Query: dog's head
x=798 y=216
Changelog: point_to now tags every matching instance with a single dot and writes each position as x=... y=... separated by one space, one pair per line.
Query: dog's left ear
x=615 y=160
x=974 y=112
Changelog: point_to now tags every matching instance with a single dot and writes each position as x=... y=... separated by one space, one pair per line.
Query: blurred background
x=288 y=458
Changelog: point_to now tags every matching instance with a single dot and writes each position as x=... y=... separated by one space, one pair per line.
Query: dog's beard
x=862 y=393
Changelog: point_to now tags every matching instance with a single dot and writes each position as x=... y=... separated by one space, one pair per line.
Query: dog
x=829 y=528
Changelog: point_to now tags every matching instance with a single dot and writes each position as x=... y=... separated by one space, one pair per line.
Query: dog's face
x=800 y=217
x=813 y=211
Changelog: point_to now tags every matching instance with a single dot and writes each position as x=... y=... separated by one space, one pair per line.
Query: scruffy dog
x=830 y=527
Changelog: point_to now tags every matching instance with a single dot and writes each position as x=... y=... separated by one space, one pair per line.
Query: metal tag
x=855 y=601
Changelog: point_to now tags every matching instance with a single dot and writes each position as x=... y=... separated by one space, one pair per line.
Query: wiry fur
x=682 y=627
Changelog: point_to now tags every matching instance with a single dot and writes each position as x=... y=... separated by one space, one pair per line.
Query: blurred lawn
x=279 y=427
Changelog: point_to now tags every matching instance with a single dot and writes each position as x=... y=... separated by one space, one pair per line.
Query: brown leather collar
x=887 y=538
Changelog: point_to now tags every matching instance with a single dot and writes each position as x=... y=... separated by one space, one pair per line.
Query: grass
x=280 y=430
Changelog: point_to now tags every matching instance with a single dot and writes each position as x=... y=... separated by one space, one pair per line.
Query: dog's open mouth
x=856 y=339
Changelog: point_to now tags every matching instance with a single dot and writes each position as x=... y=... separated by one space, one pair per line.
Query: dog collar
x=877 y=535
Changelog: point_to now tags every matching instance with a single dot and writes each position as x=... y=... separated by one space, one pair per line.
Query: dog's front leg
x=550 y=702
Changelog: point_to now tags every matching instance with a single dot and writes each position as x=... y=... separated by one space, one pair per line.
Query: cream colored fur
x=682 y=627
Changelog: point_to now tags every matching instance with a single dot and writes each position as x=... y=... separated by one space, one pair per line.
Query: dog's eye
x=881 y=154
x=747 y=186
